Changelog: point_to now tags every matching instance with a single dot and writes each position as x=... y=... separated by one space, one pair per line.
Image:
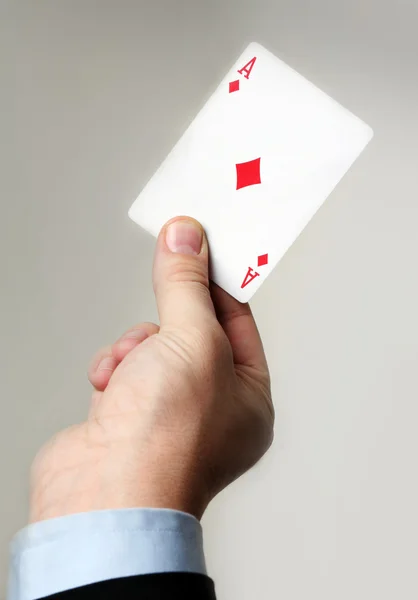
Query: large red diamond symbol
x=248 y=173
x=234 y=86
x=263 y=260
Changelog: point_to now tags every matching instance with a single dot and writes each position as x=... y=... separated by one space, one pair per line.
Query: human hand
x=178 y=412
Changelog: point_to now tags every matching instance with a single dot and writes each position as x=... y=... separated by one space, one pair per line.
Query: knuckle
x=187 y=271
x=204 y=347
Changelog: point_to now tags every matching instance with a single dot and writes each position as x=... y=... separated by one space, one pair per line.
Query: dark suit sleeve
x=158 y=586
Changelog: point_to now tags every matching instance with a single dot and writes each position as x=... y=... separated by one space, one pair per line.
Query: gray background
x=94 y=95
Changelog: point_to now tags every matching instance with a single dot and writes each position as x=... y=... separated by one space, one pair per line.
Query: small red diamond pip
x=263 y=260
x=234 y=86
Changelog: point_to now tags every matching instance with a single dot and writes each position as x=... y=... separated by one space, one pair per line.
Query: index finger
x=240 y=327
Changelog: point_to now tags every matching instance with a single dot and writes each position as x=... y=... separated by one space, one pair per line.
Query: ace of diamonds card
x=253 y=167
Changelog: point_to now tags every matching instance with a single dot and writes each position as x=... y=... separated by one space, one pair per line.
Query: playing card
x=253 y=167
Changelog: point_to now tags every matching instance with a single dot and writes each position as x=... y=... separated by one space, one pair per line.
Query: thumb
x=180 y=274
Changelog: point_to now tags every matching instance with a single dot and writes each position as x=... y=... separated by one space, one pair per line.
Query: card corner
x=370 y=132
x=256 y=46
x=131 y=213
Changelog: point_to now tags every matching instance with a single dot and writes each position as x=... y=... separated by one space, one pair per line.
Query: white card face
x=254 y=167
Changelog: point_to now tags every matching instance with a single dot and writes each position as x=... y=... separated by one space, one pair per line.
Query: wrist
x=115 y=480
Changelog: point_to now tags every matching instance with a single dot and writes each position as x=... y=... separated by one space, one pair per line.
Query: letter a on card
x=248 y=68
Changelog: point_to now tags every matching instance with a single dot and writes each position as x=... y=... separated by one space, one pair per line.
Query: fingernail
x=133 y=337
x=107 y=364
x=135 y=334
x=184 y=237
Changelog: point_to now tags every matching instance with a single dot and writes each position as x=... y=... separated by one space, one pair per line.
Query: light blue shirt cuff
x=60 y=554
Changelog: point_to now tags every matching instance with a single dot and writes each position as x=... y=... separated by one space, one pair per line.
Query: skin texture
x=178 y=411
